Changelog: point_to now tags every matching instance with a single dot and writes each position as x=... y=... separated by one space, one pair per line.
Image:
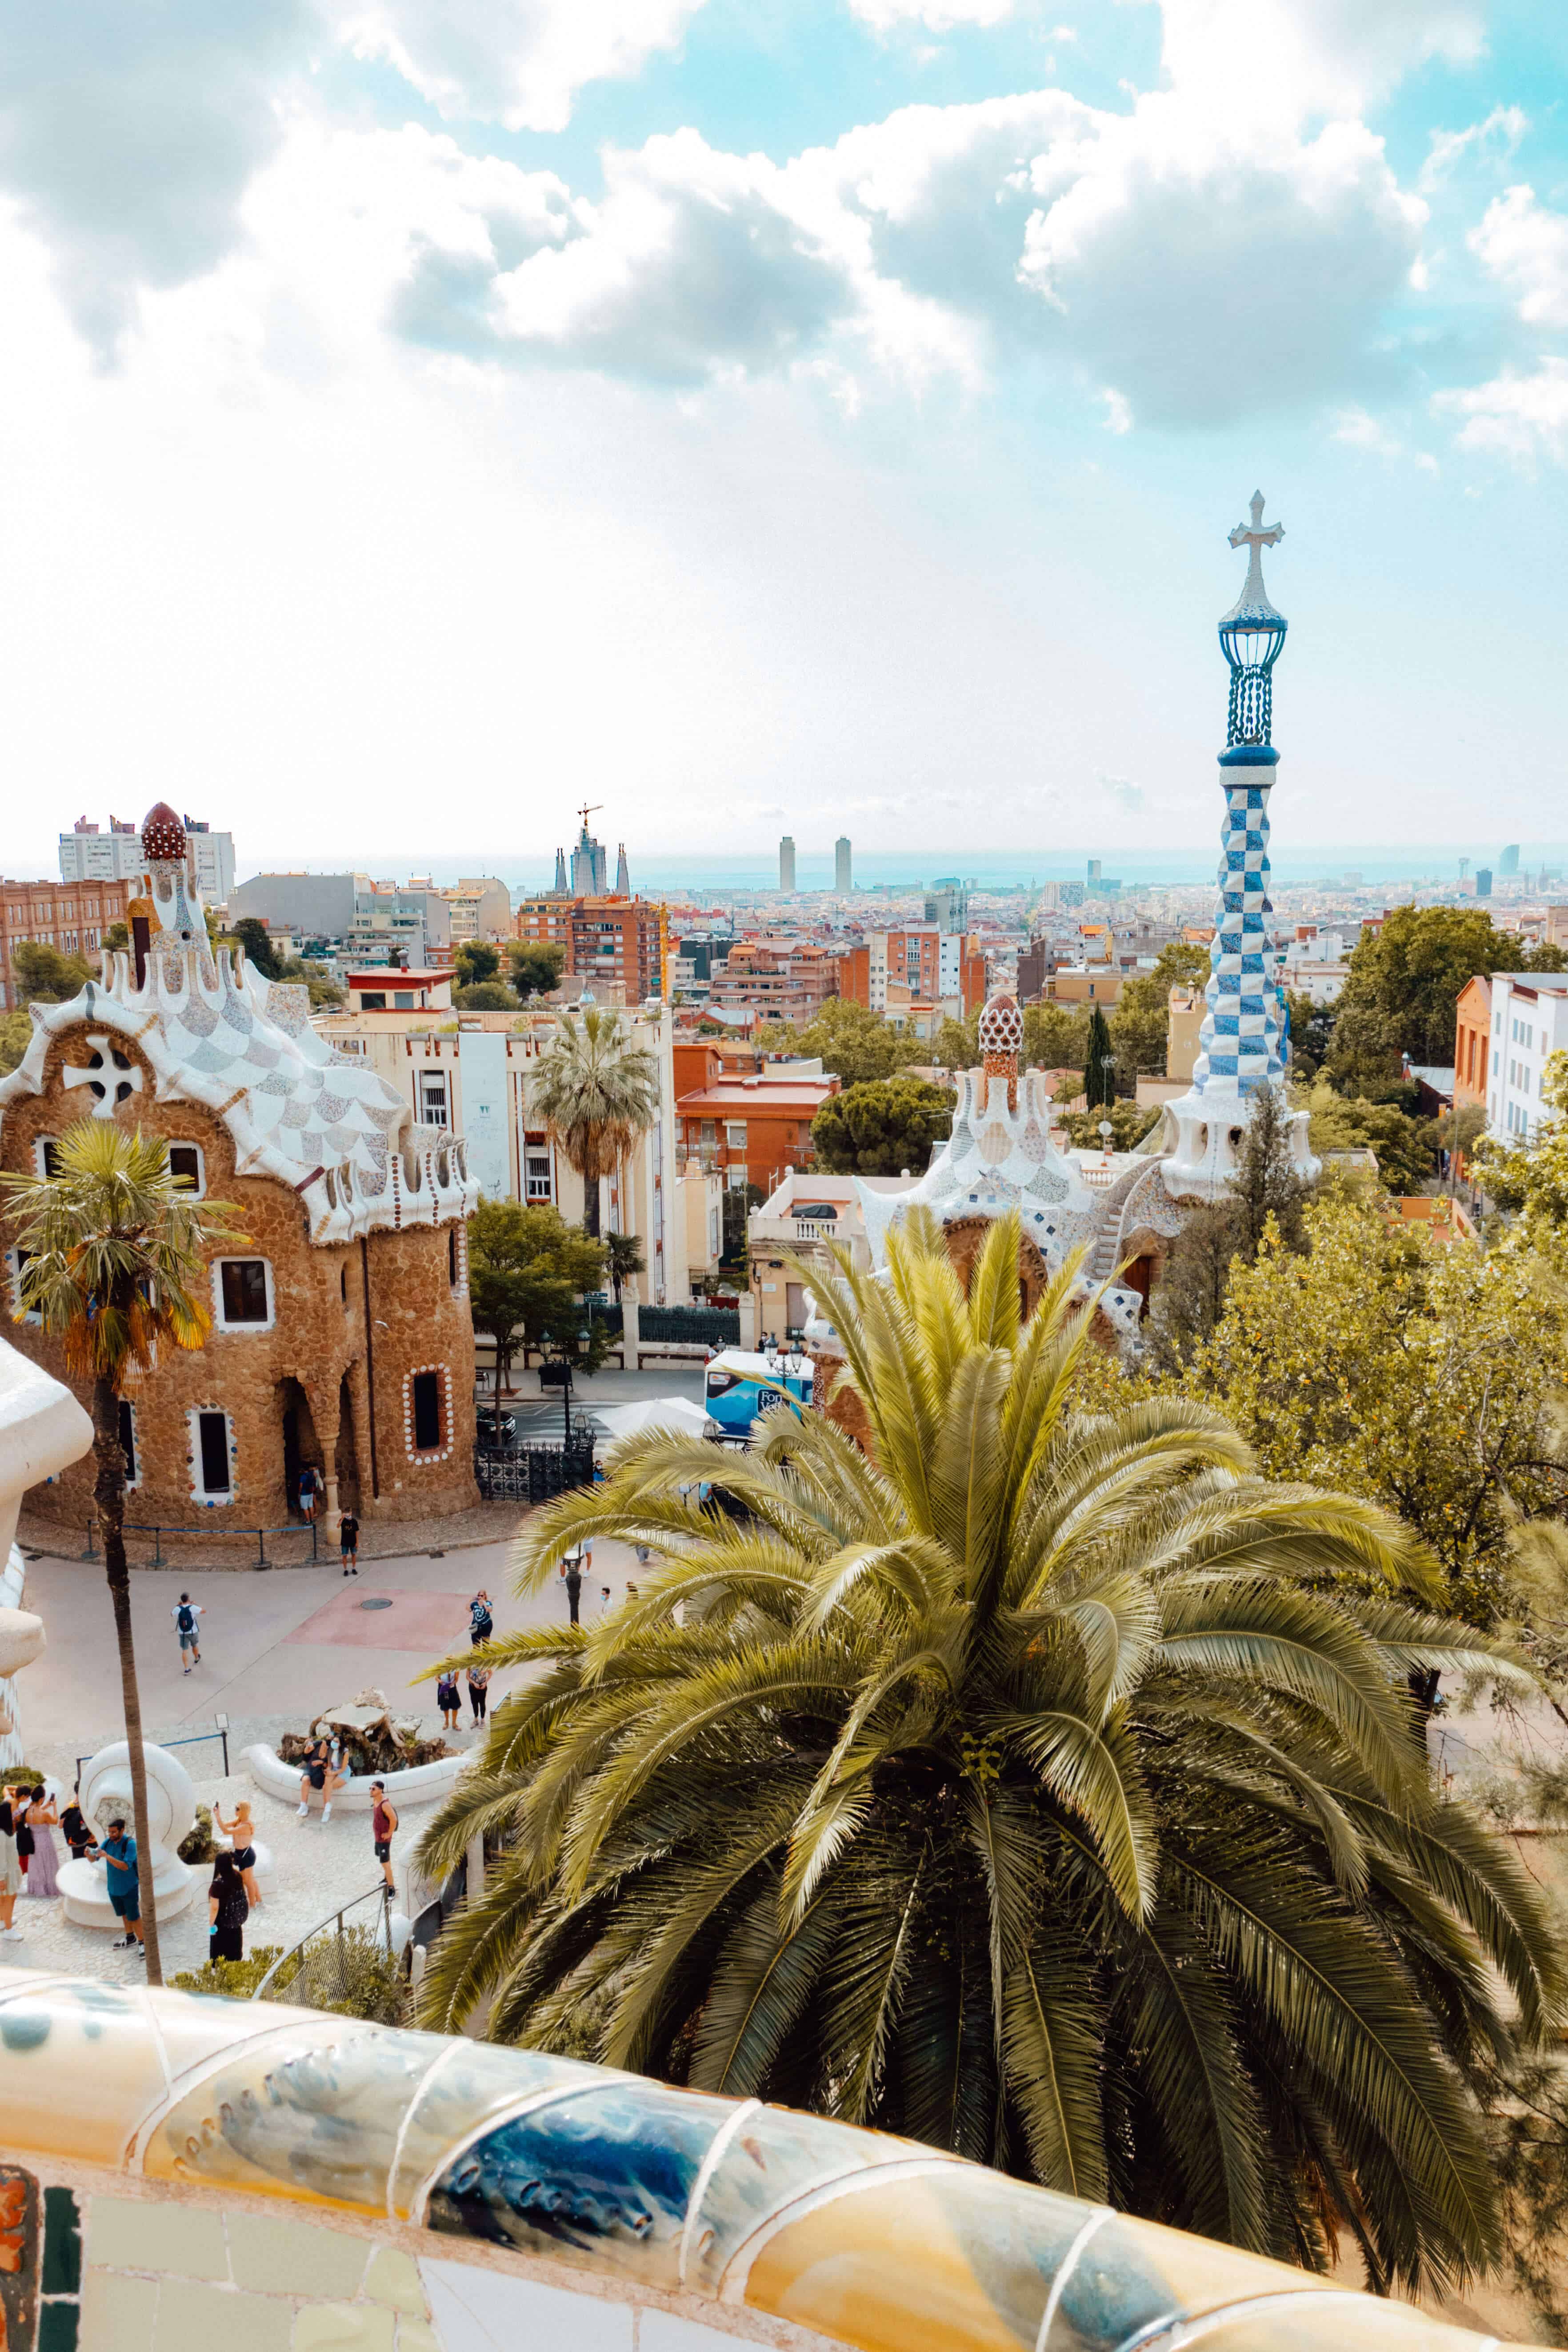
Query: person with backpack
x=382 y=1822
x=187 y=1615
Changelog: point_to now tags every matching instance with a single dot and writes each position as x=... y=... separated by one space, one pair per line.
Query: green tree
x=595 y=1091
x=1099 y=1063
x=624 y=1257
x=856 y=1042
x=1406 y=1148
x=1023 y=1785
x=253 y=936
x=1404 y=983
x=956 y=1045
x=1139 y=1022
x=1130 y=1123
x=1266 y=1195
x=305 y=972
x=115 y=1269
x=485 y=996
x=536 y=966
x=1054 y=1037
x=735 y=1211
x=1312 y=1034
x=528 y=1270
x=881 y=1127
x=476 y=960
x=1530 y=1175
x=117 y=939
x=1423 y=1375
x=45 y=976
x=16 y=1036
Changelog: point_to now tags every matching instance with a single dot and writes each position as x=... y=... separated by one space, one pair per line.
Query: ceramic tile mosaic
x=565 y=2209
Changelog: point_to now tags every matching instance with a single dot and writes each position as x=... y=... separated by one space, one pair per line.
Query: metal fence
x=710 y=1327
x=347 y=1962
x=304 y=1529
x=532 y=1473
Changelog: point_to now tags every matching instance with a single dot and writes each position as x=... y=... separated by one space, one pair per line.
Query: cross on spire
x=1255 y=539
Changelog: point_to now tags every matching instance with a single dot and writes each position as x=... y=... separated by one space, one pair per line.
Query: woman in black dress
x=227 y=1911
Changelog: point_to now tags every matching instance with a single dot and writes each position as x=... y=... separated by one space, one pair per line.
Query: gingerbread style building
x=342 y=1335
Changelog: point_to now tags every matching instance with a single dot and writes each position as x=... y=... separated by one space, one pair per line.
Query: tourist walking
x=241 y=1835
x=448 y=1699
x=478 y=1684
x=227 y=1910
x=310 y=1490
x=187 y=1615
x=124 y=1882
x=10 y=1871
x=43 y=1814
x=383 y=1823
x=17 y=1798
x=572 y=1572
x=481 y=1622
x=348 y=1543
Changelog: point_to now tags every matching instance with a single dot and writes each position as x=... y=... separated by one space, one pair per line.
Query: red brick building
x=69 y=916
x=613 y=944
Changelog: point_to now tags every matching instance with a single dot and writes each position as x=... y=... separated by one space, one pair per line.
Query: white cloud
x=1286 y=59
x=519 y=62
x=1356 y=428
x=1503 y=128
x=935 y=15
x=1524 y=244
x=1523 y=417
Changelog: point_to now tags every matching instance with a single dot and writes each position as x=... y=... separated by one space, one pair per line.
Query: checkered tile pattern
x=1239 y=1041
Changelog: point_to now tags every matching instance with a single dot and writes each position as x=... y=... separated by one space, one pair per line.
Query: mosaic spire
x=1239 y=1042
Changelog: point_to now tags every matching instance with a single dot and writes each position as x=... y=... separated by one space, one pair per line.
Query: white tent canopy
x=674 y=1416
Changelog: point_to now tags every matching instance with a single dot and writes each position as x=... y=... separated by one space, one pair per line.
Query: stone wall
x=211 y=2176
x=322 y=1356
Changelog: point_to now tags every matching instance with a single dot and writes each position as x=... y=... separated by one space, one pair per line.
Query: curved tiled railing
x=729 y=2212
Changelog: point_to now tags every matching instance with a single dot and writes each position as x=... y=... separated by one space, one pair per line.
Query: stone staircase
x=1104 y=1252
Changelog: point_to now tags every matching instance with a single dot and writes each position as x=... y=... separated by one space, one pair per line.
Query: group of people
x=28 y=1818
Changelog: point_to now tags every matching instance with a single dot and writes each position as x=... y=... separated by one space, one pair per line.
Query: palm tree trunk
x=591 y=1199
x=109 y=1494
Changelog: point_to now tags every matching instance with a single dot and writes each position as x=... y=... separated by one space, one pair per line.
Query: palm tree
x=625 y=1258
x=114 y=1268
x=596 y=1092
x=1038 y=1784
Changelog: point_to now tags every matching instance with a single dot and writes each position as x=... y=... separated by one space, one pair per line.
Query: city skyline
x=832 y=421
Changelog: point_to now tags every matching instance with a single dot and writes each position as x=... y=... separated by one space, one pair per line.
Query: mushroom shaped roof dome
x=1001 y=1026
x=163 y=835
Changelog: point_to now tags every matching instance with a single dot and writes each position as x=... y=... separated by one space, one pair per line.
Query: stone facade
x=342 y=1335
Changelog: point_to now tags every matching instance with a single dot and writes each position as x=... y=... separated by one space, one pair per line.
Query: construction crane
x=587 y=810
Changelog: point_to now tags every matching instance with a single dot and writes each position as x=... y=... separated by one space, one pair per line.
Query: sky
x=418 y=418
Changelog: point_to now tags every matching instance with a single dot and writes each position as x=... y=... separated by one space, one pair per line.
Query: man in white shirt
x=187 y=1615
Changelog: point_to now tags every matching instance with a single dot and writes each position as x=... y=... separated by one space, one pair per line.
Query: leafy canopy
x=1404 y=983
x=853 y=1042
x=528 y=1270
x=1140 y=1024
x=1038 y=1784
x=45 y=976
x=881 y=1127
x=114 y=1247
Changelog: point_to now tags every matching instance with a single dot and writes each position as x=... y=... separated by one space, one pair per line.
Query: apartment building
x=88 y=853
x=71 y=917
x=747 y=1124
x=1530 y=1024
x=480 y=909
x=919 y=964
x=1472 y=1043
x=777 y=979
x=615 y=946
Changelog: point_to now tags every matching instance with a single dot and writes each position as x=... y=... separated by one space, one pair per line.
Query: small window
x=426 y=1402
x=46 y=1155
x=343 y=1283
x=212 y=1437
x=373 y=1000
x=536 y=1166
x=185 y=1166
x=735 y=1134
x=128 y=1440
x=433 y=1097
x=452 y=1255
x=402 y=999
x=243 y=1290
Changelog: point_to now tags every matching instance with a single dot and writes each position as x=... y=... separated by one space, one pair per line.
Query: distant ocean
x=699 y=878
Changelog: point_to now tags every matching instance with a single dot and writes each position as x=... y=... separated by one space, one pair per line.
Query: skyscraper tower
x=623 y=875
x=590 y=866
x=1240 y=1047
x=560 y=874
x=786 y=865
x=843 y=878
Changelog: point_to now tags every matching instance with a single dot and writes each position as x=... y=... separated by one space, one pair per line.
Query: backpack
x=186 y=1620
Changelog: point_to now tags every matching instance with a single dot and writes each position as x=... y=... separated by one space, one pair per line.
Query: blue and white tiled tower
x=1240 y=1050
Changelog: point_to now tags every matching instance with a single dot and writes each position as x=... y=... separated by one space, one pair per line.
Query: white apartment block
x=115 y=855
x=1530 y=1024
